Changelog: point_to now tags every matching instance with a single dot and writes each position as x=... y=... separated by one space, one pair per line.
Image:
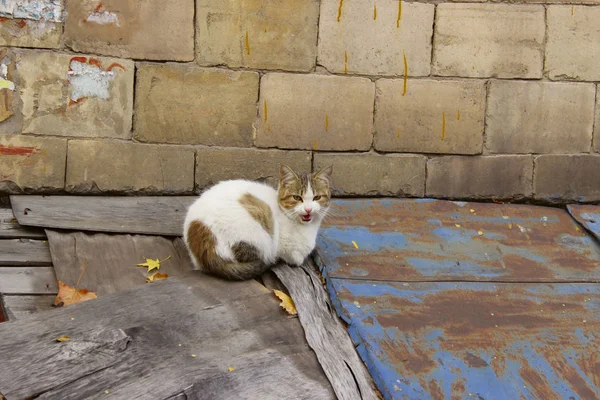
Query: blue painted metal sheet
x=435 y=240
x=476 y=340
x=452 y=300
x=588 y=216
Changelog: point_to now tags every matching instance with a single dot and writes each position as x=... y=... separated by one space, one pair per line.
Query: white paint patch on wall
x=4 y=82
x=89 y=81
x=46 y=10
x=104 y=18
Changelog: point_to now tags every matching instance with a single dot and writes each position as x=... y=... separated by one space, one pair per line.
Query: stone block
x=257 y=34
x=597 y=123
x=572 y=51
x=500 y=177
x=122 y=167
x=32 y=164
x=561 y=178
x=68 y=95
x=430 y=117
x=23 y=32
x=539 y=117
x=149 y=29
x=191 y=105
x=10 y=111
x=315 y=112
x=489 y=40
x=217 y=164
x=370 y=174
x=376 y=38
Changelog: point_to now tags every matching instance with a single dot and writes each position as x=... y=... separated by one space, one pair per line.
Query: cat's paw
x=296 y=260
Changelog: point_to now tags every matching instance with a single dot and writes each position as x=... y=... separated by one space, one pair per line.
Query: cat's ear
x=324 y=174
x=286 y=174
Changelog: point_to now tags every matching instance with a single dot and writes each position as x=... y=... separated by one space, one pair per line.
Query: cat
x=238 y=229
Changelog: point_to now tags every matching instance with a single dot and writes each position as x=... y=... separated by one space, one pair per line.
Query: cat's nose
x=307 y=209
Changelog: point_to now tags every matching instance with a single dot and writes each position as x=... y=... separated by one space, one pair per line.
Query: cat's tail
x=240 y=271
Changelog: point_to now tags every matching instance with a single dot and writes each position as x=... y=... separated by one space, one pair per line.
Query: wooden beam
x=28 y=280
x=21 y=306
x=24 y=252
x=10 y=228
x=110 y=260
x=158 y=215
x=193 y=335
x=325 y=333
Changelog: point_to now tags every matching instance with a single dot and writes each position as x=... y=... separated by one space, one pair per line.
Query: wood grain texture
x=24 y=252
x=325 y=333
x=152 y=215
x=138 y=344
x=28 y=280
x=110 y=260
x=10 y=228
x=21 y=306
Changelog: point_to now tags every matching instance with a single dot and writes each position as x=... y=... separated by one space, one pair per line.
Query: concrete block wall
x=465 y=100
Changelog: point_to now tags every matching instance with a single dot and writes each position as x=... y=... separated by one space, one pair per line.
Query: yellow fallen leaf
x=193 y=355
x=152 y=264
x=70 y=295
x=286 y=302
x=63 y=339
x=354 y=243
x=157 y=276
x=230 y=369
x=457 y=225
x=472 y=210
x=480 y=233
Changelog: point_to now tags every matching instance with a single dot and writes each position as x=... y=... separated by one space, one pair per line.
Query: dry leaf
x=157 y=276
x=69 y=295
x=152 y=264
x=354 y=243
x=230 y=369
x=286 y=302
x=63 y=339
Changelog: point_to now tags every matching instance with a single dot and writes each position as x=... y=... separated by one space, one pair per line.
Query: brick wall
x=443 y=99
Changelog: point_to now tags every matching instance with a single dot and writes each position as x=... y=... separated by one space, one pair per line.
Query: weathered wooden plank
x=10 y=228
x=325 y=333
x=24 y=252
x=160 y=215
x=195 y=334
x=20 y=306
x=110 y=260
x=443 y=340
x=28 y=280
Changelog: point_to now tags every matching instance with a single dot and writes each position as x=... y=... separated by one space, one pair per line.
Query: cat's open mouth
x=306 y=218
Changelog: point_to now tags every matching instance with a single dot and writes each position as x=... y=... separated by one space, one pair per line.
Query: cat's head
x=304 y=198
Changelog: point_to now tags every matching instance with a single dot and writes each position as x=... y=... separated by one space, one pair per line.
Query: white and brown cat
x=238 y=229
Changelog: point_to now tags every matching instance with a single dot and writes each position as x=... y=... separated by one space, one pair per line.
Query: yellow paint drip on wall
x=443 y=125
x=247 y=43
x=399 y=14
x=345 y=62
x=405 y=73
x=266 y=112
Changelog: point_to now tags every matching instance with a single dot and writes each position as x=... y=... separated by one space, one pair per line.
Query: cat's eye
x=297 y=198
x=317 y=198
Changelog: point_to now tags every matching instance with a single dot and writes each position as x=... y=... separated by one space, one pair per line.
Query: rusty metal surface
x=476 y=340
x=436 y=240
x=452 y=300
x=588 y=216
